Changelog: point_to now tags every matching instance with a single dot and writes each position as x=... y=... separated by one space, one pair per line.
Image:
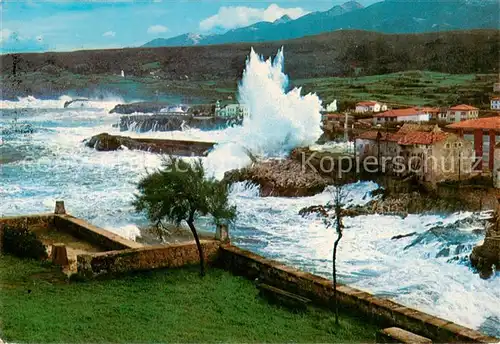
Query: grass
x=407 y=88
x=38 y=305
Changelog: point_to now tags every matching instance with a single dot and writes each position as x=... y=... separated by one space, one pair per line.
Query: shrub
x=22 y=243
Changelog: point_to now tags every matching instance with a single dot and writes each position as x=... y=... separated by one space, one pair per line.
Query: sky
x=41 y=25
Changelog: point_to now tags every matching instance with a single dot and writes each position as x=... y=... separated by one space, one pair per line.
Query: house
x=370 y=106
x=231 y=110
x=423 y=150
x=436 y=114
x=485 y=134
x=461 y=113
x=495 y=103
x=401 y=115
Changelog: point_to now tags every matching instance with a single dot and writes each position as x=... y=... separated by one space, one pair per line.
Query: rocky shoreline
x=280 y=178
x=107 y=142
x=486 y=257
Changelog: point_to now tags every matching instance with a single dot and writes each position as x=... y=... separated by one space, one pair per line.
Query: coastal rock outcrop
x=144 y=107
x=398 y=204
x=107 y=142
x=280 y=178
x=171 y=122
x=487 y=256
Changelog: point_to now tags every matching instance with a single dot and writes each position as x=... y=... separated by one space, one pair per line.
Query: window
x=447 y=146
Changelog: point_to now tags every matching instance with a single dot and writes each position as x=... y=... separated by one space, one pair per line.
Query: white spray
x=278 y=120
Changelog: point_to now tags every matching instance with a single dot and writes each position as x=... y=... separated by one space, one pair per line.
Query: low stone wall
x=98 y=236
x=384 y=312
x=42 y=220
x=26 y=221
x=146 y=258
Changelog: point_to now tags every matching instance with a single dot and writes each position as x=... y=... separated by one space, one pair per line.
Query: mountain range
x=389 y=16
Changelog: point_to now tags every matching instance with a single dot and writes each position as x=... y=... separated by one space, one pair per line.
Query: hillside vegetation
x=337 y=54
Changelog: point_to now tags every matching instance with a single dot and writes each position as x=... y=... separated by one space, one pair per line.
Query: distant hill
x=389 y=16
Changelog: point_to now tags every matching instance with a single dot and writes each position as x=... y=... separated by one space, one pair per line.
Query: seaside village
x=461 y=140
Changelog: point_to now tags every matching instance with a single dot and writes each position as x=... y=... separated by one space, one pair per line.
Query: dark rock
x=487 y=256
x=171 y=122
x=403 y=236
x=69 y=102
x=445 y=252
x=144 y=107
x=106 y=142
x=280 y=178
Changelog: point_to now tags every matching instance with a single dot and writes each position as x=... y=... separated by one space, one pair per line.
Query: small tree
x=180 y=191
x=332 y=215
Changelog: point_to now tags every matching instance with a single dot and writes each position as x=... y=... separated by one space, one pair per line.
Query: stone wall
x=384 y=312
x=146 y=258
x=27 y=221
x=95 y=235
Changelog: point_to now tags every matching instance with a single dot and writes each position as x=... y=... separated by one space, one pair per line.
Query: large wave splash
x=278 y=121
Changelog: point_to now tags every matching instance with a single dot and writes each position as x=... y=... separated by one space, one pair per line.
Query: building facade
x=231 y=110
x=370 y=106
x=402 y=115
x=425 y=151
x=462 y=112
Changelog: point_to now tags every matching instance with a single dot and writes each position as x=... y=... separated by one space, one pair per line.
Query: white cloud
x=239 y=16
x=5 y=35
x=155 y=29
x=109 y=34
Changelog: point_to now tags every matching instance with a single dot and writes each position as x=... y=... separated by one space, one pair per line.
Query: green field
x=38 y=305
x=397 y=89
x=405 y=88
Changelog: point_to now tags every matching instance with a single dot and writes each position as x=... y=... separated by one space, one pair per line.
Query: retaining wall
x=384 y=312
x=146 y=258
x=96 y=235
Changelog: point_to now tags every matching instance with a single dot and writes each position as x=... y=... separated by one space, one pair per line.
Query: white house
x=370 y=106
x=231 y=110
x=462 y=112
x=402 y=115
x=495 y=103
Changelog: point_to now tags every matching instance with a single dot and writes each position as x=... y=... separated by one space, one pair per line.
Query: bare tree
x=332 y=215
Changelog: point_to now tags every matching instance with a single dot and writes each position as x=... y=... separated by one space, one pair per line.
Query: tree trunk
x=335 y=299
x=200 y=250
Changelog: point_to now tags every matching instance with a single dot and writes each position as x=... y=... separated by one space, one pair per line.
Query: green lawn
x=38 y=305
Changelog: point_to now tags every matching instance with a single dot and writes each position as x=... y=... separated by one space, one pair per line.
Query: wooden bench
x=282 y=297
x=398 y=335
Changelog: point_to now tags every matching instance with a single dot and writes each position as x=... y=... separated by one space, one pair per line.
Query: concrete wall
x=382 y=311
x=146 y=258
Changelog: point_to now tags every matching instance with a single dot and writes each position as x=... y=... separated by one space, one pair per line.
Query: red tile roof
x=495 y=98
x=369 y=103
x=422 y=138
x=399 y=113
x=488 y=123
x=406 y=138
x=463 y=107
